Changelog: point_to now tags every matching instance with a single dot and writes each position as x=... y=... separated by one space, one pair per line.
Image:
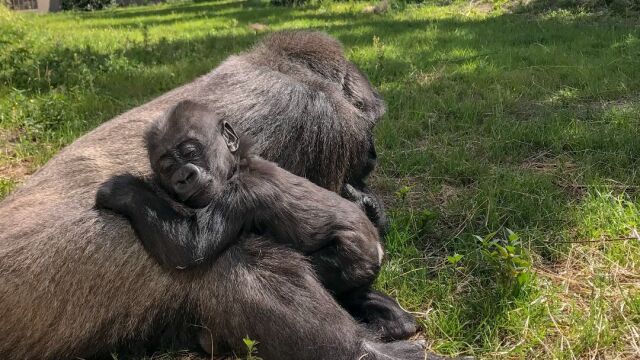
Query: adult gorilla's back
x=74 y=280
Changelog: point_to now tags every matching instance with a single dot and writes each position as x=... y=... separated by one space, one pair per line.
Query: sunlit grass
x=495 y=120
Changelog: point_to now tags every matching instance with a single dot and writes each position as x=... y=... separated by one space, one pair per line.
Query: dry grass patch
x=13 y=168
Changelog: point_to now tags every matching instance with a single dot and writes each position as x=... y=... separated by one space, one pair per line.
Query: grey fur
x=74 y=280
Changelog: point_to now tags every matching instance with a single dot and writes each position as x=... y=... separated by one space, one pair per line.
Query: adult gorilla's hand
x=371 y=206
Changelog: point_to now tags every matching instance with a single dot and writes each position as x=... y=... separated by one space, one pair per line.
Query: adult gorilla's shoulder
x=305 y=105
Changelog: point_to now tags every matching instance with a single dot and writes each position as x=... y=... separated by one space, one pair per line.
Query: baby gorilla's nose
x=185 y=181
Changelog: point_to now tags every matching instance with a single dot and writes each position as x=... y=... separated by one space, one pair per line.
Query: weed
x=252 y=348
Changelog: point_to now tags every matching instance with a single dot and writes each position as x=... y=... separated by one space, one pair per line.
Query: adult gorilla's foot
x=380 y=313
x=402 y=350
x=405 y=350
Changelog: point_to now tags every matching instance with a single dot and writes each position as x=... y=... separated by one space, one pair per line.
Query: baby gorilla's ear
x=230 y=137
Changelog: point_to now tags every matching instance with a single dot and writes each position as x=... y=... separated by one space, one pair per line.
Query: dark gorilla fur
x=74 y=281
x=199 y=160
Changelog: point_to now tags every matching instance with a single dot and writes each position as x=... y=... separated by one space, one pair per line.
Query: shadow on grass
x=453 y=120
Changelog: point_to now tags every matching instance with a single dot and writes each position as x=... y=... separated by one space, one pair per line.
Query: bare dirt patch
x=426 y=78
x=379 y=8
x=480 y=7
x=584 y=109
x=594 y=109
x=545 y=162
x=258 y=27
x=12 y=167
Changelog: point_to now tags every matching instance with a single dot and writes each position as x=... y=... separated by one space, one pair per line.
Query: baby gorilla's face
x=191 y=152
x=184 y=169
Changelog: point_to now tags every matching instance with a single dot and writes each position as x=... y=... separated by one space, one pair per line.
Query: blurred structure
x=35 y=5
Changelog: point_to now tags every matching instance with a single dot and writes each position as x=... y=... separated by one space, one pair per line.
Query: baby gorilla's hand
x=370 y=205
x=117 y=193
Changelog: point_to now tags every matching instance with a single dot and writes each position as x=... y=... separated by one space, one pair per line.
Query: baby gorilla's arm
x=339 y=239
x=175 y=239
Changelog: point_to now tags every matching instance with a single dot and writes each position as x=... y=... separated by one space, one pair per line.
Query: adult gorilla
x=74 y=280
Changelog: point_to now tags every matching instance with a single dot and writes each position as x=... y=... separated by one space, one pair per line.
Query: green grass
x=497 y=120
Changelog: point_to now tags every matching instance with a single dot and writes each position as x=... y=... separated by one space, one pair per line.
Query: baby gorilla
x=212 y=190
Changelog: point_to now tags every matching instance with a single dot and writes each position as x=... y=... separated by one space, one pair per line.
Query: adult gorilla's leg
x=380 y=313
x=348 y=268
x=271 y=295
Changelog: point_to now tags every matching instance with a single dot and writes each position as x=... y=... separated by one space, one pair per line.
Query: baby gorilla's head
x=192 y=153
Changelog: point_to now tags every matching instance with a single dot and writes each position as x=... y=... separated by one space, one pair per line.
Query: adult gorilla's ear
x=230 y=137
x=358 y=89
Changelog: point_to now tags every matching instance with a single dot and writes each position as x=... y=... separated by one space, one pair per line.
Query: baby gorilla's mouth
x=189 y=177
x=199 y=198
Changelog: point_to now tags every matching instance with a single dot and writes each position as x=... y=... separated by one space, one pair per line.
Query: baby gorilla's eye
x=189 y=150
